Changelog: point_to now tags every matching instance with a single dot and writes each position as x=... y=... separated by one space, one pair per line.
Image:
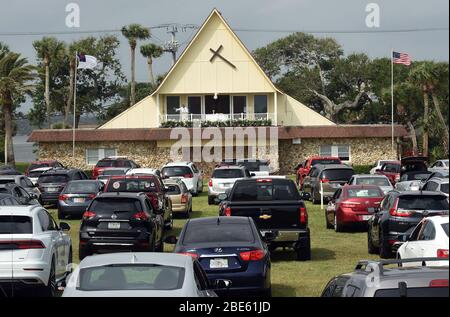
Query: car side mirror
x=222 y=284
x=64 y=226
x=171 y=240
x=404 y=238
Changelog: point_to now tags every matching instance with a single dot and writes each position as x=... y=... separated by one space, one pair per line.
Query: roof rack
x=364 y=265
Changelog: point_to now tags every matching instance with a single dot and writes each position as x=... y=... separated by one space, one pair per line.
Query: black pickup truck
x=277 y=209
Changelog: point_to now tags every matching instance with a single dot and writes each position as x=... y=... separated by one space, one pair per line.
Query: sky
x=245 y=16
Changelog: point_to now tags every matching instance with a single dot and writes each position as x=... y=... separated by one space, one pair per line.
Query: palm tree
x=151 y=51
x=133 y=33
x=48 y=49
x=15 y=74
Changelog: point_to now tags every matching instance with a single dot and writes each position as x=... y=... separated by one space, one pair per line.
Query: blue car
x=229 y=249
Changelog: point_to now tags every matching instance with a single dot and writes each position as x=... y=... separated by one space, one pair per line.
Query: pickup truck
x=303 y=168
x=276 y=206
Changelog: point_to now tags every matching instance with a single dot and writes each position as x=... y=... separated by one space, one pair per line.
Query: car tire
x=61 y=215
x=371 y=249
x=51 y=288
x=211 y=200
x=82 y=253
x=385 y=250
x=337 y=226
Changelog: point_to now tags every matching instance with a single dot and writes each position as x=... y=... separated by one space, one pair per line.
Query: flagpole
x=74 y=105
x=392 y=97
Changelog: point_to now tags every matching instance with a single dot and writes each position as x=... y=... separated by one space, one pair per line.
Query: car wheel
x=337 y=226
x=399 y=258
x=50 y=289
x=385 y=250
x=370 y=247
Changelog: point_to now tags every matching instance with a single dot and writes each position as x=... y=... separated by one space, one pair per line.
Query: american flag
x=401 y=58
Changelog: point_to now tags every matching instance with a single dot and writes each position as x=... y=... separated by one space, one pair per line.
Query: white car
x=379 y=165
x=191 y=176
x=138 y=275
x=34 y=250
x=429 y=239
x=143 y=171
x=223 y=179
x=377 y=180
x=440 y=165
x=437 y=185
x=33 y=175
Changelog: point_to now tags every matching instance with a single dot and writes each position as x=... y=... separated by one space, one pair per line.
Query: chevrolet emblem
x=265 y=217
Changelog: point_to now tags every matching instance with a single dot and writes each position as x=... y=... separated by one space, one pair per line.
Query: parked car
x=229 y=248
x=302 y=170
x=352 y=206
x=121 y=222
x=43 y=164
x=439 y=165
x=106 y=174
x=223 y=179
x=377 y=180
x=138 y=275
x=180 y=197
x=428 y=240
x=34 y=251
x=411 y=180
x=391 y=170
x=144 y=171
x=437 y=185
x=419 y=281
x=19 y=193
x=277 y=209
x=227 y=162
x=8 y=170
x=438 y=175
x=257 y=167
x=399 y=212
x=112 y=162
x=328 y=177
x=76 y=197
x=187 y=172
x=52 y=182
x=152 y=186
x=22 y=181
x=379 y=165
x=34 y=174
x=8 y=200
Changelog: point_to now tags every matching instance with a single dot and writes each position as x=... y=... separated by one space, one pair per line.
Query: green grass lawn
x=332 y=253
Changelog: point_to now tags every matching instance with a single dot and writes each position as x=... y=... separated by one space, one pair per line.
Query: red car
x=395 y=169
x=352 y=205
x=112 y=162
x=303 y=168
x=40 y=164
x=151 y=185
x=391 y=170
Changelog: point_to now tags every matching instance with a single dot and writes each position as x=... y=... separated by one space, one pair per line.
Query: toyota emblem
x=218 y=250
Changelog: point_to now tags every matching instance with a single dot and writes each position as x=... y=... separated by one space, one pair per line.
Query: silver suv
x=223 y=179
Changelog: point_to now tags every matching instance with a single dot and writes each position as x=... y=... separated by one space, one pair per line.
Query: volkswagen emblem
x=218 y=250
x=113 y=216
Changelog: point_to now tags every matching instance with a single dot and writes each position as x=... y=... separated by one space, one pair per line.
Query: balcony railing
x=216 y=117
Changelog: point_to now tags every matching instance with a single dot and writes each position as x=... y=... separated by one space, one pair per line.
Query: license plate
x=366 y=218
x=218 y=263
x=114 y=225
x=371 y=210
x=52 y=189
x=226 y=185
x=78 y=200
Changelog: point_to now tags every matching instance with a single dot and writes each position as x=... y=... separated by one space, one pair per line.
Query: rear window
x=34 y=166
x=377 y=181
x=254 y=191
x=391 y=168
x=338 y=174
x=255 y=166
x=176 y=171
x=53 y=179
x=35 y=173
x=415 y=292
x=364 y=193
x=110 y=172
x=15 y=225
x=218 y=233
x=6 y=181
x=414 y=176
x=173 y=190
x=146 y=185
x=444 y=188
x=131 y=277
x=325 y=161
x=81 y=188
x=445 y=228
x=113 y=163
x=228 y=173
x=115 y=205
x=423 y=202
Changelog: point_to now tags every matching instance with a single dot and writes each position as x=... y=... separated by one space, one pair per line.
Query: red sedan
x=352 y=205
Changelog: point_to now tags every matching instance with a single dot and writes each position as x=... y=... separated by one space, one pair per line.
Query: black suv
x=121 y=222
x=398 y=214
x=52 y=182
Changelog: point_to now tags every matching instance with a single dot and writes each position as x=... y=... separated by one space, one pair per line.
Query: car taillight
x=255 y=255
x=228 y=212
x=400 y=213
x=140 y=216
x=324 y=180
x=442 y=253
x=188 y=175
x=350 y=205
x=191 y=254
x=63 y=197
x=184 y=198
x=439 y=283
x=397 y=177
x=303 y=215
x=23 y=244
x=210 y=183
x=264 y=180
x=87 y=215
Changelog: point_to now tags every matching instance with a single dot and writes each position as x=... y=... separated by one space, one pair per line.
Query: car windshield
x=146 y=185
x=377 y=181
x=255 y=166
x=325 y=161
x=15 y=225
x=113 y=163
x=176 y=171
x=131 y=277
x=445 y=227
x=338 y=174
x=107 y=205
x=264 y=191
x=364 y=193
x=422 y=202
x=444 y=188
x=173 y=190
x=81 y=187
x=228 y=173
x=53 y=179
x=414 y=292
x=230 y=232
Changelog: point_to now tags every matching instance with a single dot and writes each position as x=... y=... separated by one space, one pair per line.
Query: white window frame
x=100 y=154
x=335 y=151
